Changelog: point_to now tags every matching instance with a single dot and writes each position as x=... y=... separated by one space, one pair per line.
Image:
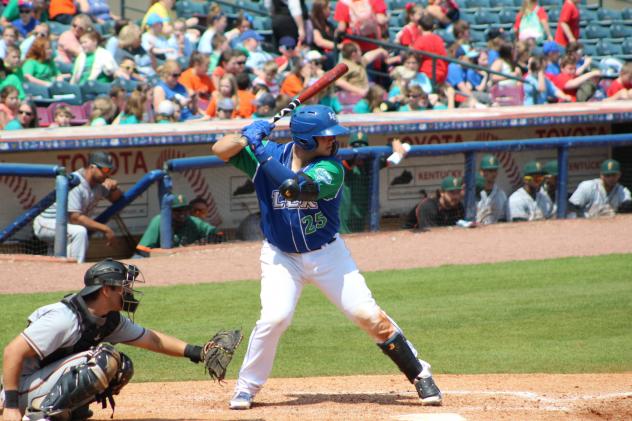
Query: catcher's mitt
x=218 y=352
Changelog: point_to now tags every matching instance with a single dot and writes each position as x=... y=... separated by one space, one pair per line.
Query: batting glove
x=255 y=133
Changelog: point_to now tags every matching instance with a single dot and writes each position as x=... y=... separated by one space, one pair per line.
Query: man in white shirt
x=491 y=208
x=528 y=203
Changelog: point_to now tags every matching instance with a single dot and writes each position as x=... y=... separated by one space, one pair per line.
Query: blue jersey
x=295 y=226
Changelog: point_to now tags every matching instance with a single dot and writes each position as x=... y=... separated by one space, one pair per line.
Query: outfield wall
x=142 y=148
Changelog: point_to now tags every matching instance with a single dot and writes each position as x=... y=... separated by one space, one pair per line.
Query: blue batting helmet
x=314 y=120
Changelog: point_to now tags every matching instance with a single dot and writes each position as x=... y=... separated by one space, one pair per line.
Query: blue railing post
x=165 y=199
x=562 y=181
x=374 y=203
x=469 y=179
x=61 y=216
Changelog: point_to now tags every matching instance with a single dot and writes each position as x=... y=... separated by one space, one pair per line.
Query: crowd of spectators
x=168 y=68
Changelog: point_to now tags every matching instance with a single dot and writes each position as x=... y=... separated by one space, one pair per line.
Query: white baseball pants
x=77 y=246
x=332 y=270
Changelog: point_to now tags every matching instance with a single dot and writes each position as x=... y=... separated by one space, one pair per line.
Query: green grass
x=562 y=316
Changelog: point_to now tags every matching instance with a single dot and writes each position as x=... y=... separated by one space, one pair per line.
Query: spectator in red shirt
x=432 y=43
x=411 y=31
x=568 y=25
x=365 y=18
x=568 y=81
x=532 y=22
x=621 y=87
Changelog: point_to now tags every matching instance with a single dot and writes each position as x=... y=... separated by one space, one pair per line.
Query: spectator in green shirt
x=187 y=229
x=10 y=72
x=39 y=67
x=10 y=13
x=134 y=108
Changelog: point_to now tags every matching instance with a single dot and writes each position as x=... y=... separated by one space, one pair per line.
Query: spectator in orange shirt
x=292 y=85
x=195 y=78
x=568 y=24
x=245 y=97
x=569 y=82
x=621 y=87
x=227 y=88
x=62 y=11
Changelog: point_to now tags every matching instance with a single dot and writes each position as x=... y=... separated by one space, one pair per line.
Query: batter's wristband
x=11 y=399
x=193 y=352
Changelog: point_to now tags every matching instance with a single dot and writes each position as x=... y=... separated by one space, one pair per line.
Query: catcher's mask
x=113 y=273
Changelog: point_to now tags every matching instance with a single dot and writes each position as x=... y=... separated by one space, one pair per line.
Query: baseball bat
x=322 y=83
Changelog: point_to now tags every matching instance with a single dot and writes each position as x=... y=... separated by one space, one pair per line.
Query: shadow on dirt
x=347 y=398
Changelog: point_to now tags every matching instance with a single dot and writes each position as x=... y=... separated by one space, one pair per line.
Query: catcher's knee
x=81 y=384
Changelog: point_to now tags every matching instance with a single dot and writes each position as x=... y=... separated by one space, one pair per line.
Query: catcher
x=64 y=360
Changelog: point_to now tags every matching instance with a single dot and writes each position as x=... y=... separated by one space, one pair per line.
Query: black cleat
x=428 y=391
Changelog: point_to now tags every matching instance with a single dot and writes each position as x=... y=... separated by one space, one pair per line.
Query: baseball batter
x=298 y=186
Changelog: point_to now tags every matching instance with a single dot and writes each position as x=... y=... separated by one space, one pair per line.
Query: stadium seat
x=608 y=15
x=477 y=36
x=64 y=91
x=588 y=17
x=468 y=16
x=554 y=14
x=549 y=3
x=477 y=4
x=40 y=95
x=596 y=32
x=626 y=14
x=44 y=118
x=507 y=95
x=57 y=28
x=620 y=31
x=187 y=9
x=264 y=23
x=92 y=89
x=590 y=49
x=486 y=18
x=183 y=62
x=607 y=48
x=507 y=16
x=505 y=5
x=64 y=68
x=626 y=47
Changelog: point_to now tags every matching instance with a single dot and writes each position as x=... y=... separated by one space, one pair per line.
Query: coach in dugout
x=602 y=196
x=94 y=184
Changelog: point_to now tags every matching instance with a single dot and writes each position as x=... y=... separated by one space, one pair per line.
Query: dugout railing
x=373 y=153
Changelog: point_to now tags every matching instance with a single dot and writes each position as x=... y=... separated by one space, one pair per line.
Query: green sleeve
x=245 y=161
x=13 y=80
x=151 y=236
x=54 y=70
x=362 y=107
x=28 y=68
x=12 y=11
x=329 y=175
x=203 y=228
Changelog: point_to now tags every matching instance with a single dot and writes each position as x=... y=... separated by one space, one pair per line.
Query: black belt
x=327 y=243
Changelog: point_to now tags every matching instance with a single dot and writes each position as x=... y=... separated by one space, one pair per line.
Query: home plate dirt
x=488 y=397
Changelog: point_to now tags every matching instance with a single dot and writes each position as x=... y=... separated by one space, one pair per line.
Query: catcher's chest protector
x=91 y=333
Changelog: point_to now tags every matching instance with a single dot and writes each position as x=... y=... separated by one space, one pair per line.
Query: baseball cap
x=166 y=108
x=250 y=34
x=533 y=168
x=551 y=47
x=610 y=67
x=101 y=159
x=489 y=162
x=179 y=202
x=22 y=4
x=358 y=139
x=226 y=104
x=153 y=19
x=451 y=183
x=550 y=168
x=287 y=42
x=610 y=166
x=265 y=98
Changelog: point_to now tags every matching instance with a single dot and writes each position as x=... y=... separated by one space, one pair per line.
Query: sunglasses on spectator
x=29 y=113
x=104 y=170
x=25 y=11
x=42 y=34
x=240 y=63
x=176 y=74
x=74 y=25
x=132 y=68
x=414 y=96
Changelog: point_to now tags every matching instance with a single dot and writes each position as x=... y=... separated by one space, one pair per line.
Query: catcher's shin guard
x=81 y=384
x=123 y=375
x=400 y=352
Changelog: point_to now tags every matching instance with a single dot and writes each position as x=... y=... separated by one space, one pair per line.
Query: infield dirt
x=604 y=396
